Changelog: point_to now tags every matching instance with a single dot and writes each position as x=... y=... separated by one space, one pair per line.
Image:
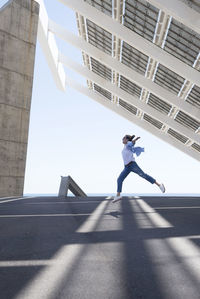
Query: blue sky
x=70 y=134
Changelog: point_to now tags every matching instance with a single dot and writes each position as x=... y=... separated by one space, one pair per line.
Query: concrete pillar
x=67 y=183
x=18 y=32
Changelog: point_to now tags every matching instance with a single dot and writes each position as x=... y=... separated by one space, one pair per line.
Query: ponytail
x=129 y=137
x=132 y=137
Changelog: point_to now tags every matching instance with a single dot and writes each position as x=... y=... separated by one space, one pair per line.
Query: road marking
x=27 y=263
x=48 y=281
x=42 y=215
x=20 y=198
x=8 y=197
x=61 y=202
x=179 y=208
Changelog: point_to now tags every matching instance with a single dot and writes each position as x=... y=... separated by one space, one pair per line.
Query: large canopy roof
x=141 y=59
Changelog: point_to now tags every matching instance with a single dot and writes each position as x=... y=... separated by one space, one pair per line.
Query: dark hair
x=129 y=137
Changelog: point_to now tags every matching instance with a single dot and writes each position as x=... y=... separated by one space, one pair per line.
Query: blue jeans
x=134 y=168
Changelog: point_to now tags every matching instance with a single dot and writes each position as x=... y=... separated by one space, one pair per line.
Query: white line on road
x=8 y=197
x=179 y=208
x=27 y=263
x=42 y=215
x=16 y=199
x=61 y=202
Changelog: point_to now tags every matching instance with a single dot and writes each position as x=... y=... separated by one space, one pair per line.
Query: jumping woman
x=130 y=165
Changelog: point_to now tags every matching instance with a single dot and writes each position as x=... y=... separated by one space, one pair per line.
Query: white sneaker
x=116 y=198
x=162 y=188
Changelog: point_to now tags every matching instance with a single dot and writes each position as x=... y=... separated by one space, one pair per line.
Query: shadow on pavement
x=40 y=238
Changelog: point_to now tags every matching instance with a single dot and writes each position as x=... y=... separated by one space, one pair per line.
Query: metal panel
x=180 y=10
x=177 y=135
x=129 y=73
x=141 y=17
x=158 y=104
x=187 y=121
x=168 y=79
x=102 y=91
x=196 y=146
x=100 y=69
x=134 y=119
x=182 y=128
x=194 y=4
x=194 y=96
x=103 y=5
x=182 y=42
x=131 y=99
x=134 y=58
x=152 y=121
x=128 y=107
x=99 y=37
x=129 y=86
x=135 y=40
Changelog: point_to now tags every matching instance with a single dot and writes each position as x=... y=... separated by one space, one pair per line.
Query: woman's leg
x=121 y=178
x=135 y=168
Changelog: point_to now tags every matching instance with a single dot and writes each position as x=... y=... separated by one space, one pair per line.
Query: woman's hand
x=135 y=139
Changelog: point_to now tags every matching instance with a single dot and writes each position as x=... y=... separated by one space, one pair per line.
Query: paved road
x=89 y=248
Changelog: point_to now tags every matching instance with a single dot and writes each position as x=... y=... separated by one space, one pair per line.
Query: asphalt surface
x=141 y=247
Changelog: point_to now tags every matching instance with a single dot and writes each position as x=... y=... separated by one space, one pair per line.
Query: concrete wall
x=18 y=32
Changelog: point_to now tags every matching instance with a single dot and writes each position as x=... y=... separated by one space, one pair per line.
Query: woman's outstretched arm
x=134 y=140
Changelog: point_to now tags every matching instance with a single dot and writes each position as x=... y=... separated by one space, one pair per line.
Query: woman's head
x=127 y=138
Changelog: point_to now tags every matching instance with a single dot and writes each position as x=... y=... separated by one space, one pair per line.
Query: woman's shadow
x=115 y=214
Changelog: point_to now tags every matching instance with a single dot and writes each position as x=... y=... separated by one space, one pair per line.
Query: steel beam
x=114 y=89
x=49 y=47
x=134 y=39
x=122 y=69
x=133 y=119
x=179 y=11
x=117 y=43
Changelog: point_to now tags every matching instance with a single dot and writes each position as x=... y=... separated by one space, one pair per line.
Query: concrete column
x=18 y=32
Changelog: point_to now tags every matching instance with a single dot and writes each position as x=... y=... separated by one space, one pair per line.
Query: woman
x=131 y=165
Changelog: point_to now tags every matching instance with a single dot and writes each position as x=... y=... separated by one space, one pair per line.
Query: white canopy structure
x=141 y=59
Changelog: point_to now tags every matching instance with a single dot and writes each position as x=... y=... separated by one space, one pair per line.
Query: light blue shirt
x=128 y=151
